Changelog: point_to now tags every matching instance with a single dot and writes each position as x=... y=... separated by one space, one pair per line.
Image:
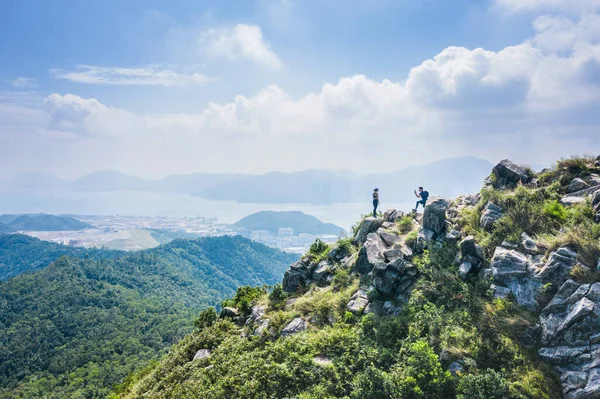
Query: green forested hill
x=79 y=326
x=42 y=222
x=20 y=253
x=300 y=222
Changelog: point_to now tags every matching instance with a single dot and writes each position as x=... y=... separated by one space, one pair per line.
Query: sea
x=142 y=203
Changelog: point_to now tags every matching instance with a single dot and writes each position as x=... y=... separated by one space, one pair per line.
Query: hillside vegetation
x=42 y=222
x=20 y=254
x=491 y=296
x=78 y=327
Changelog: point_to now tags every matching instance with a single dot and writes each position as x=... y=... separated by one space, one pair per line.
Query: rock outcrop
x=294 y=327
x=368 y=225
x=577 y=184
x=512 y=271
x=570 y=338
x=507 y=174
x=434 y=215
x=490 y=215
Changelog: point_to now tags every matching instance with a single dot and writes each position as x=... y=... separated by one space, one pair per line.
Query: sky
x=152 y=88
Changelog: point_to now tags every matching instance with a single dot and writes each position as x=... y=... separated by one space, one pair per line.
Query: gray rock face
x=368 y=225
x=577 y=184
x=529 y=245
x=570 y=326
x=490 y=215
x=596 y=200
x=388 y=237
x=558 y=266
x=434 y=215
x=359 y=302
x=371 y=253
x=294 y=327
x=509 y=175
x=513 y=270
x=323 y=269
x=464 y=270
x=391 y=215
x=201 y=354
x=294 y=278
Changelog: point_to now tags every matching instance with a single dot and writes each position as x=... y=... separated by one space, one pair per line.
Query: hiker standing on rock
x=375 y=201
x=423 y=195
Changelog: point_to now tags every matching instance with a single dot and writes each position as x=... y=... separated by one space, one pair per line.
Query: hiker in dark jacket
x=375 y=201
x=423 y=195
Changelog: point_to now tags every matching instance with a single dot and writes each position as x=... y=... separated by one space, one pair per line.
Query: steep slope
x=79 y=327
x=300 y=222
x=21 y=254
x=494 y=295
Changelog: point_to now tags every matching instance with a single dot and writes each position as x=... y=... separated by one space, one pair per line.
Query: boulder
x=558 y=266
x=513 y=270
x=370 y=253
x=490 y=215
x=596 y=200
x=390 y=238
x=293 y=279
x=294 y=327
x=509 y=175
x=577 y=184
x=468 y=247
x=571 y=200
x=453 y=236
x=323 y=269
x=390 y=215
x=528 y=245
x=464 y=270
x=424 y=238
x=358 y=302
x=230 y=313
x=434 y=215
x=368 y=225
x=202 y=354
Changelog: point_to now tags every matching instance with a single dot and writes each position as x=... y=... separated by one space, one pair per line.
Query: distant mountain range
x=448 y=178
x=40 y=222
x=300 y=222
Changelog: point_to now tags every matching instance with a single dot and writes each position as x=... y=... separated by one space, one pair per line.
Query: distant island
x=300 y=222
x=40 y=222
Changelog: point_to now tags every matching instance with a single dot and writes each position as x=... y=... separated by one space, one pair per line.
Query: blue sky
x=289 y=84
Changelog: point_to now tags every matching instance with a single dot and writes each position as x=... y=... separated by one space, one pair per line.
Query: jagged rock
x=256 y=314
x=390 y=215
x=509 y=245
x=370 y=253
x=338 y=253
x=392 y=253
x=407 y=253
x=388 y=237
x=262 y=328
x=293 y=279
x=558 y=266
x=468 y=247
x=529 y=245
x=513 y=270
x=434 y=215
x=230 y=313
x=509 y=175
x=464 y=270
x=201 y=354
x=294 y=327
x=368 y=225
x=596 y=200
x=453 y=236
x=388 y=225
x=358 y=305
x=424 y=238
x=598 y=264
x=490 y=215
x=577 y=184
x=569 y=338
x=324 y=268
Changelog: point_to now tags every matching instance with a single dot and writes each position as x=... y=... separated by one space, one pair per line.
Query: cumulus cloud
x=147 y=76
x=239 y=42
x=534 y=102
x=22 y=82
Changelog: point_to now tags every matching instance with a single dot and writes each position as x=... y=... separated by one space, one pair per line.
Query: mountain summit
x=492 y=295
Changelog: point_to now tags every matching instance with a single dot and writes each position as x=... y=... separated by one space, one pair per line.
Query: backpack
x=424 y=195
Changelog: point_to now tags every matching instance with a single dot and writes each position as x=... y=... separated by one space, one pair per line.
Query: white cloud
x=239 y=42
x=22 y=82
x=147 y=76
x=534 y=102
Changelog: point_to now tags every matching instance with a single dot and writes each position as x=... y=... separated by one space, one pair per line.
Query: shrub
x=411 y=238
x=489 y=385
x=404 y=224
x=319 y=250
x=207 y=318
x=244 y=298
x=341 y=279
x=422 y=375
x=277 y=297
x=373 y=384
x=555 y=210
